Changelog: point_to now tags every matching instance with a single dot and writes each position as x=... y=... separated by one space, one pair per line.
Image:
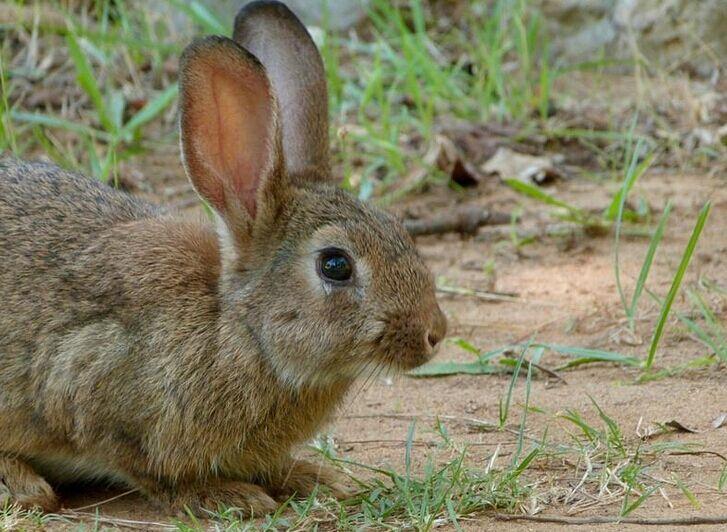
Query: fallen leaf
x=658 y=429
x=530 y=169
x=445 y=156
x=720 y=421
x=679 y=427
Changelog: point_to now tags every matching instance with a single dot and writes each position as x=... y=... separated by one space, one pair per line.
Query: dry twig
x=465 y=221
x=598 y=520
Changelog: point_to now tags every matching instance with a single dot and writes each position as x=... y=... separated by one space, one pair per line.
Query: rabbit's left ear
x=273 y=34
x=229 y=130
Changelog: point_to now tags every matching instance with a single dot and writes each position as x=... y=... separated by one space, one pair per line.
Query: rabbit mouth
x=403 y=351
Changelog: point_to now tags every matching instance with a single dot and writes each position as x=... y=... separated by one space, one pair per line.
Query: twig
x=696 y=453
x=105 y=501
x=543 y=369
x=116 y=521
x=465 y=221
x=679 y=521
x=491 y=296
x=480 y=294
x=471 y=421
x=422 y=443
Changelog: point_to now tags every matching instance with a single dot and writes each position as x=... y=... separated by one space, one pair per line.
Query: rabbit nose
x=438 y=330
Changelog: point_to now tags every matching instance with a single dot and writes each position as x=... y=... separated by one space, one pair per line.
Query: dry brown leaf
x=679 y=427
x=445 y=156
x=658 y=429
x=530 y=169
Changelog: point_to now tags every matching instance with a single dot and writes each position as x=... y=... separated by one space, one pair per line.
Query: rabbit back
x=48 y=218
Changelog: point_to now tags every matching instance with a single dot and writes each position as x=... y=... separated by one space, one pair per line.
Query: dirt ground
x=565 y=293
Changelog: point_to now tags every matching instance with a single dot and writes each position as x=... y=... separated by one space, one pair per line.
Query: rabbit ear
x=229 y=131
x=273 y=34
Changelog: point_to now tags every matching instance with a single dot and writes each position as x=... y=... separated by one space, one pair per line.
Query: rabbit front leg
x=301 y=478
x=21 y=485
x=250 y=500
x=209 y=495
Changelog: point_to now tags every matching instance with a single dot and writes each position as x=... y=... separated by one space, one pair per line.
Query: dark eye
x=335 y=265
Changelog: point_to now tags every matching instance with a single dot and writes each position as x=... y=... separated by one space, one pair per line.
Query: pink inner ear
x=229 y=121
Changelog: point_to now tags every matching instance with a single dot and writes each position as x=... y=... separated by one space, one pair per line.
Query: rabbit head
x=326 y=287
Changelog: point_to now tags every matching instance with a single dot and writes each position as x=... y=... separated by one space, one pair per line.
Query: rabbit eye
x=335 y=265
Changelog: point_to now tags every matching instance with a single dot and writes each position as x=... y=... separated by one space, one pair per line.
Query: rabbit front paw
x=301 y=478
x=248 y=500
x=21 y=485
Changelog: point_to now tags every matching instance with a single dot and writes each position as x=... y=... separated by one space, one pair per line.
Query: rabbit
x=190 y=358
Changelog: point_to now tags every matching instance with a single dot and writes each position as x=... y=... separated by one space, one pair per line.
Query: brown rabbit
x=190 y=359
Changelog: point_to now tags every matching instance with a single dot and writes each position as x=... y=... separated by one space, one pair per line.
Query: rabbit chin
x=359 y=364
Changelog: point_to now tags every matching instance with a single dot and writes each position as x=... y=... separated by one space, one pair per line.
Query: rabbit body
x=187 y=358
x=112 y=363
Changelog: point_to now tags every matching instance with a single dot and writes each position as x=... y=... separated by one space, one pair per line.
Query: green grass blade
x=505 y=408
x=522 y=466
x=646 y=266
x=615 y=436
x=150 y=111
x=710 y=341
x=714 y=325
x=689 y=494
x=442 y=369
x=619 y=202
x=591 y=433
x=534 y=192
x=676 y=282
x=628 y=508
x=584 y=355
x=43 y=120
x=612 y=210
x=7 y=135
x=523 y=421
x=87 y=81
x=202 y=16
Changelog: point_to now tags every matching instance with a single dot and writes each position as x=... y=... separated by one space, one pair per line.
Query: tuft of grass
x=495 y=361
x=443 y=492
x=610 y=466
x=112 y=51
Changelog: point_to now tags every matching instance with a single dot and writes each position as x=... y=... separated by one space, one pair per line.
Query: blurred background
x=90 y=83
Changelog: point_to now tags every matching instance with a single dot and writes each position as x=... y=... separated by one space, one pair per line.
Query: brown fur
x=184 y=359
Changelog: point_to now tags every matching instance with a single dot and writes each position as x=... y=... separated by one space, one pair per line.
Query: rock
x=342 y=14
x=668 y=32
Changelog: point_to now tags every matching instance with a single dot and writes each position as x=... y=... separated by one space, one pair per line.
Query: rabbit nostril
x=433 y=339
